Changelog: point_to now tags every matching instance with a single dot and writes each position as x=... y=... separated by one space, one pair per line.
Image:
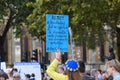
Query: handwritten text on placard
x=56 y=33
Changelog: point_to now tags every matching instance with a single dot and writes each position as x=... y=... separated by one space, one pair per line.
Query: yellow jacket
x=51 y=71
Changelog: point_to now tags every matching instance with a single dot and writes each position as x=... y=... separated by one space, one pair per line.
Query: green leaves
x=86 y=17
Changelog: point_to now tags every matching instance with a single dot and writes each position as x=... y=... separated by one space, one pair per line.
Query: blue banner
x=57 y=32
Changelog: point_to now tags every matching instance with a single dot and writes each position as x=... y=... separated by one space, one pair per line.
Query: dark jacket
x=111 y=56
x=87 y=77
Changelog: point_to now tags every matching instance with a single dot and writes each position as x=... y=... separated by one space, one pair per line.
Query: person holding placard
x=71 y=65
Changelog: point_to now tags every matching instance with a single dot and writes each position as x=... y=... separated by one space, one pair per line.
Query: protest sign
x=56 y=33
x=28 y=68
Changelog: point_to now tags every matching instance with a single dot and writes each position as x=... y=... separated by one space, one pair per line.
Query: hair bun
x=71 y=65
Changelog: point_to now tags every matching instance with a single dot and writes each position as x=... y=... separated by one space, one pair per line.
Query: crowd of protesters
x=71 y=70
x=14 y=75
x=75 y=70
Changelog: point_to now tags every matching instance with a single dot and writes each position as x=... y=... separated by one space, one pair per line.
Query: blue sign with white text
x=57 y=32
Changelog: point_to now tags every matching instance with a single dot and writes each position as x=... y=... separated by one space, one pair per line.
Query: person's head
x=2 y=78
x=99 y=71
x=32 y=75
x=104 y=76
x=113 y=66
x=16 y=76
x=82 y=66
x=72 y=69
x=3 y=75
x=14 y=70
x=60 y=69
x=93 y=72
x=111 y=49
x=27 y=76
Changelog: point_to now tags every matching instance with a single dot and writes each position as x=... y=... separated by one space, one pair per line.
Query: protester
x=14 y=70
x=112 y=54
x=106 y=76
x=93 y=73
x=27 y=76
x=3 y=75
x=16 y=76
x=2 y=78
x=46 y=77
x=32 y=76
x=61 y=69
x=82 y=72
x=10 y=76
x=71 y=68
x=99 y=74
x=113 y=69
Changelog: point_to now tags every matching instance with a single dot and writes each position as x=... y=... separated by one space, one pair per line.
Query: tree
x=114 y=20
x=87 y=18
x=16 y=11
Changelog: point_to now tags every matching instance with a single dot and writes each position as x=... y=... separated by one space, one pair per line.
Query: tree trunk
x=118 y=42
x=2 y=52
x=3 y=37
x=102 y=53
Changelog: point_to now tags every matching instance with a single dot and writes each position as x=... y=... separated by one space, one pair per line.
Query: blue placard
x=57 y=32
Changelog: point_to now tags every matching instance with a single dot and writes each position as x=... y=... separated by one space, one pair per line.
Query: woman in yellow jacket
x=71 y=66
